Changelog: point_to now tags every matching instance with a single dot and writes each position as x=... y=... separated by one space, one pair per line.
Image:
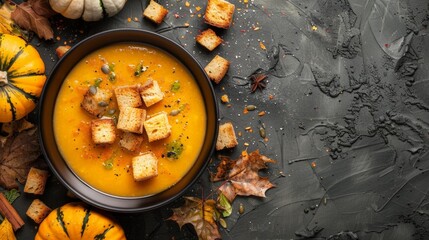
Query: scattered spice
x=224 y=98
x=313 y=164
x=187 y=4
x=261 y=113
x=314 y=28
x=262 y=46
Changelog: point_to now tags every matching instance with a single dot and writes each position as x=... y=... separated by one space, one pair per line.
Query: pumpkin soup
x=108 y=166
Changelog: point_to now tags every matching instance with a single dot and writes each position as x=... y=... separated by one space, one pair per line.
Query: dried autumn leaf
x=6 y=230
x=42 y=8
x=20 y=152
x=243 y=178
x=25 y=16
x=6 y=23
x=201 y=214
x=8 y=129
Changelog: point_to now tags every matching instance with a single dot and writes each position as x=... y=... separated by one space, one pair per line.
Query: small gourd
x=89 y=10
x=22 y=76
x=75 y=221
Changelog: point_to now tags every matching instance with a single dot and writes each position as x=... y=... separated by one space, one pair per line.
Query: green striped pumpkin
x=22 y=76
x=75 y=221
x=89 y=10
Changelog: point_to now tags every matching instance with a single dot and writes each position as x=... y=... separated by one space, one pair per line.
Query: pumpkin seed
x=105 y=69
x=112 y=76
x=93 y=90
x=174 y=112
x=241 y=208
x=222 y=222
x=262 y=132
x=251 y=107
x=103 y=104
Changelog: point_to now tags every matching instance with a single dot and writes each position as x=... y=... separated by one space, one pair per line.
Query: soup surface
x=108 y=167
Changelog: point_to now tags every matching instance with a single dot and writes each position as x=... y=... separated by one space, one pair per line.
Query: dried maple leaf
x=242 y=176
x=20 y=152
x=25 y=16
x=201 y=214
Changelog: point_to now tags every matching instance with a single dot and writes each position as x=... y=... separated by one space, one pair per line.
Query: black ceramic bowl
x=49 y=146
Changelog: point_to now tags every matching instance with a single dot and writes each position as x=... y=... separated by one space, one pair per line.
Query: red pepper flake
x=176 y=15
x=313 y=164
x=386 y=45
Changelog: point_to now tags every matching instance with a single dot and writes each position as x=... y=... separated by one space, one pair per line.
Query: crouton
x=226 y=137
x=157 y=127
x=128 y=96
x=219 y=13
x=151 y=93
x=96 y=100
x=209 y=39
x=155 y=12
x=38 y=211
x=131 y=119
x=103 y=131
x=61 y=50
x=131 y=141
x=217 y=68
x=145 y=166
x=36 y=181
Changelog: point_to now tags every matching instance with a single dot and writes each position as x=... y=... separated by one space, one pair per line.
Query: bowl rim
x=70 y=180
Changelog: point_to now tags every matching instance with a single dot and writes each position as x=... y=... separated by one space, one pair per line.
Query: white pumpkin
x=89 y=10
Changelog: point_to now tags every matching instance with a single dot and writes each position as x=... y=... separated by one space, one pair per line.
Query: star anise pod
x=258 y=81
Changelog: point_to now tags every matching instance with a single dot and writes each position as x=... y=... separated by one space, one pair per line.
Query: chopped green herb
x=175 y=86
x=174 y=149
x=139 y=70
x=108 y=164
x=11 y=195
x=224 y=205
x=97 y=82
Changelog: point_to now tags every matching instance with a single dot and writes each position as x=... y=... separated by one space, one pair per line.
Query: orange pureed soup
x=108 y=167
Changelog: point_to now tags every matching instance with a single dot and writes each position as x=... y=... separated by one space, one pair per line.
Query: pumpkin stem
x=3 y=78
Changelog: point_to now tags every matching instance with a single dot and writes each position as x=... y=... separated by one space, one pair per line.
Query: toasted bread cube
x=157 y=127
x=217 y=68
x=155 y=12
x=131 y=141
x=151 y=93
x=36 y=181
x=128 y=96
x=131 y=119
x=145 y=166
x=226 y=137
x=38 y=211
x=219 y=13
x=209 y=39
x=96 y=101
x=103 y=131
